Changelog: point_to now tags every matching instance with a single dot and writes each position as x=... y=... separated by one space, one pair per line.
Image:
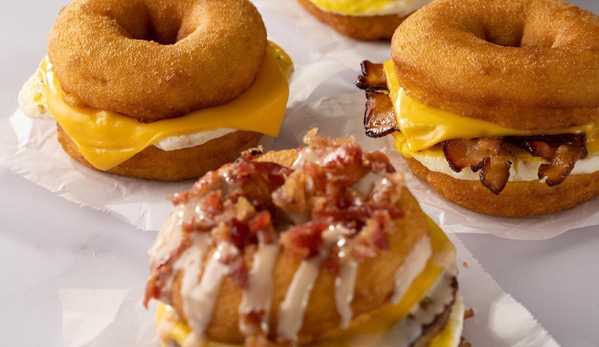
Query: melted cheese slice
x=353 y=7
x=422 y=127
x=172 y=329
x=107 y=139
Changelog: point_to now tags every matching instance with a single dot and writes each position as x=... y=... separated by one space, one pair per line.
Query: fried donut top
x=154 y=59
x=521 y=64
x=267 y=243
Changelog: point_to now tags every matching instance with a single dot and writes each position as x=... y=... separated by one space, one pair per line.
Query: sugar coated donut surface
x=152 y=59
x=522 y=64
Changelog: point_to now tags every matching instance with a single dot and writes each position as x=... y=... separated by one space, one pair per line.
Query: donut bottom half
x=357 y=27
x=187 y=163
x=518 y=199
x=439 y=333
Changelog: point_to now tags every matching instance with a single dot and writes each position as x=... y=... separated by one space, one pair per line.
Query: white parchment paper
x=115 y=317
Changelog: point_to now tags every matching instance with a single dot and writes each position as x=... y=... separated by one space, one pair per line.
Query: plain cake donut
x=153 y=59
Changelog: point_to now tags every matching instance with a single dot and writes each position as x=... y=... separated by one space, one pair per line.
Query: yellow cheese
x=379 y=321
x=423 y=127
x=107 y=139
x=353 y=7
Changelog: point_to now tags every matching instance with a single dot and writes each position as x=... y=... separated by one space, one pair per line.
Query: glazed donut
x=523 y=64
x=360 y=25
x=301 y=247
x=497 y=108
x=159 y=90
x=122 y=56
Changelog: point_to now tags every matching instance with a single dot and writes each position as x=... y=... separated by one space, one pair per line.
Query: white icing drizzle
x=365 y=184
x=293 y=307
x=169 y=237
x=199 y=295
x=306 y=155
x=344 y=292
x=413 y=265
x=258 y=296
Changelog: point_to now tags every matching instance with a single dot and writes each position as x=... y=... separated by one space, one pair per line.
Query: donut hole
x=144 y=22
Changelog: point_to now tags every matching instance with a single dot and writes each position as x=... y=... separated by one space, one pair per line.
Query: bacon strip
x=486 y=155
x=379 y=119
x=561 y=151
x=372 y=77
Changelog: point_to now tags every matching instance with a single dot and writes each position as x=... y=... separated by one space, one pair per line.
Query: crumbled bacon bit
x=261 y=224
x=469 y=313
x=162 y=270
x=240 y=273
x=464 y=343
x=465 y=264
x=240 y=234
x=304 y=240
x=379 y=161
x=332 y=263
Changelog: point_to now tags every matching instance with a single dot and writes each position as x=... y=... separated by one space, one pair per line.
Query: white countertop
x=42 y=235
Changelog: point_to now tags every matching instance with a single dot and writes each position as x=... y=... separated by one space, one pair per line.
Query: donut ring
x=357 y=27
x=122 y=56
x=511 y=63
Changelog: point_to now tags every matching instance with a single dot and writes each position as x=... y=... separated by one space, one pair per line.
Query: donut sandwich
x=496 y=107
x=317 y=246
x=164 y=90
x=363 y=19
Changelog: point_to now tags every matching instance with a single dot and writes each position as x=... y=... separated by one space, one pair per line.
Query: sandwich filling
x=370 y=7
x=107 y=139
x=472 y=149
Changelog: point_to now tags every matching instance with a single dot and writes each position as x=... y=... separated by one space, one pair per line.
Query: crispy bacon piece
x=372 y=77
x=379 y=119
x=379 y=161
x=561 y=151
x=162 y=271
x=485 y=154
x=240 y=273
x=304 y=240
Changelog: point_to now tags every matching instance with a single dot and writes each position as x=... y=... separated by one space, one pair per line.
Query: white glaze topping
x=344 y=291
x=293 y=307
x=199 y=297
x=260 y=286
x=414 y=263
x=365 y=184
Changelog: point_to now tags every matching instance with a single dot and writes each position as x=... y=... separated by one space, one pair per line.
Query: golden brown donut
x=522 y=64
x=213 y=224
x=357 y=27
x=153 y=59
x=518 y=199
x=157 y=164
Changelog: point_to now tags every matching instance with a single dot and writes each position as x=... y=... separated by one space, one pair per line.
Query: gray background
x=40 y=233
